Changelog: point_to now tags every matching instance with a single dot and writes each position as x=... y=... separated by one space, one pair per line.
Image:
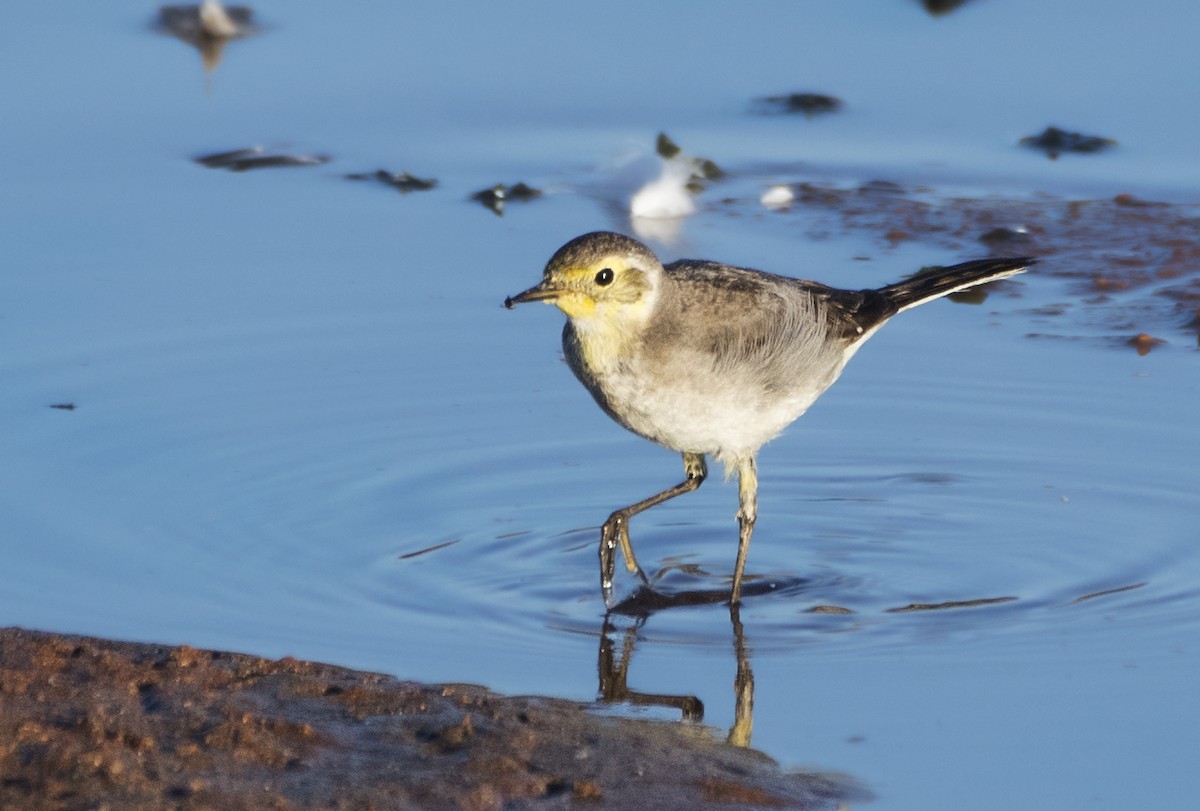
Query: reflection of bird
x=709 y=359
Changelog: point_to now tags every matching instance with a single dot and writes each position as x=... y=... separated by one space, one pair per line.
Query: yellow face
x=607 y=288
x=607 y=284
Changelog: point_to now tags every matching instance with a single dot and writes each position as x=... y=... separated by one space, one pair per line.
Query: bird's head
x=600 y=280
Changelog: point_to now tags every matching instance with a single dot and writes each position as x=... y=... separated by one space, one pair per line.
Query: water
x=305 y=425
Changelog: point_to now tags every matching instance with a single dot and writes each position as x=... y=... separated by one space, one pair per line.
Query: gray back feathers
x=766 y=329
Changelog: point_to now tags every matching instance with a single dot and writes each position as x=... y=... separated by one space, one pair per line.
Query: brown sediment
x=1128 y=265
x=92 y=723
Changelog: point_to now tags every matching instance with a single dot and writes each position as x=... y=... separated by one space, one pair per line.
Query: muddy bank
x=89 y=723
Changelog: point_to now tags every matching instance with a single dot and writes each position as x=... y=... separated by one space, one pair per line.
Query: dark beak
x=541 y=292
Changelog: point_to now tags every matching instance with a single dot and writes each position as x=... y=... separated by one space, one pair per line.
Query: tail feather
x=942 y=282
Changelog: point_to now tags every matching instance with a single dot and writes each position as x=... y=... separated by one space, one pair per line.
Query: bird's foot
x=615 y=532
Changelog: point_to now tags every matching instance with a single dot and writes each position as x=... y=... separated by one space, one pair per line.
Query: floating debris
x=881 y=187
x=63 y=406
x=669 y=195
x=1107 y=592
x=522 y=192
x=209 y=20
x=1143 y=343
x=277 y=161
x=495 y=197
x=705 y=169
x=700 y=170
x=828 y=609
x=255 y=157
x=1054 y=141
x=823 y=196
x=806 y=104
x=1136 y=202
x=949 y=604
x=207 y=27
x=665 y=147
x=221 y=160
x=402 y=181
x=940 y=7
x=427 y=550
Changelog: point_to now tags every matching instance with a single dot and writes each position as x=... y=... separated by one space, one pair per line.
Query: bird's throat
x=578 y=306
x=605 y=344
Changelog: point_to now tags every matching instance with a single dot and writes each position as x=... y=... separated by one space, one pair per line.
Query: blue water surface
x=304 y=425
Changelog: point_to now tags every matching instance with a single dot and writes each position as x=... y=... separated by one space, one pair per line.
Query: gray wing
x=768 y=331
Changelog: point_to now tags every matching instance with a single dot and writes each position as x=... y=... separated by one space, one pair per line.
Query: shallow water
x=304 y=424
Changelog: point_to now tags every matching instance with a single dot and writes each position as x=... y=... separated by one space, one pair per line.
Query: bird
x=712 y=360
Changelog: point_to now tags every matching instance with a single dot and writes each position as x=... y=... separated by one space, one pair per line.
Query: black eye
x=604 y=277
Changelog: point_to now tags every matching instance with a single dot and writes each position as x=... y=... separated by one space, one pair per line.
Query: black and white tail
x=938 y=283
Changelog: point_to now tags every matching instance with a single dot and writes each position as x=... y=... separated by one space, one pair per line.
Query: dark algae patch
x=495 y=198
x=1054 y=141
x=402 y=182
x=255 y=157
x=807 y=104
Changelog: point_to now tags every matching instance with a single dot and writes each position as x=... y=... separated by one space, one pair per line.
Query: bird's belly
x=704 y=416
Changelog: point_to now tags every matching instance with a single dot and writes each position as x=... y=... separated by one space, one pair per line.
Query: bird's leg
x=616 y=528
x=747 y=512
